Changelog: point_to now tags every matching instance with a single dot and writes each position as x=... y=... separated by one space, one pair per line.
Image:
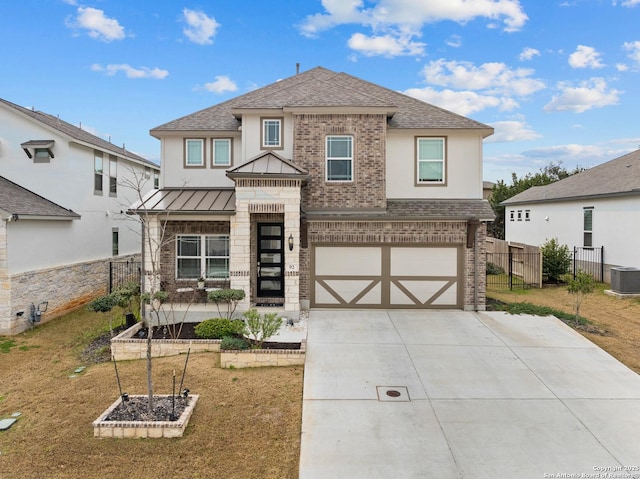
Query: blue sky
x=559 y=80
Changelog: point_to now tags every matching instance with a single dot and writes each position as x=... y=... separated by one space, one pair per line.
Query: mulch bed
x=135 y=409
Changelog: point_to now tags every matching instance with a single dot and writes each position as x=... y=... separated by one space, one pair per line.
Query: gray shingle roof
x=460 y=209
x=16 y=200
x=76 y=133
x=320 y=87
x=617 y=177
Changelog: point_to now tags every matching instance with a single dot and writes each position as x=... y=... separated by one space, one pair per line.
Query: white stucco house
x=323 y=190
x=599 y=207
x=62 y=213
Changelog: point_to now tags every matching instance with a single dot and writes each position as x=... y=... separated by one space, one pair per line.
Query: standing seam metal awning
x=188 y=201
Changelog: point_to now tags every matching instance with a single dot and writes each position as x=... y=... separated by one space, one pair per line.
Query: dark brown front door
x=270 y=260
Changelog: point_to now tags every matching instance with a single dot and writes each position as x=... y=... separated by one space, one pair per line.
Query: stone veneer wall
x=400 y=232
x=367 y=190
x=65 y=288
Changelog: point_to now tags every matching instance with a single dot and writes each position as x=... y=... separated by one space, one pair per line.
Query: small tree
x=556 y=260
x=262 y=327
x=580 y=286
x=229 y=296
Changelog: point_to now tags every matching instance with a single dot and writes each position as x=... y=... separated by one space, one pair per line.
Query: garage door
x=386 y=277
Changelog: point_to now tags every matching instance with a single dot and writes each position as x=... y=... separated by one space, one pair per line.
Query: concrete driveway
x=452 y=394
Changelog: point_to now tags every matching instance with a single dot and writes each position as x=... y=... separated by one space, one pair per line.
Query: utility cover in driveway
x=389 y=276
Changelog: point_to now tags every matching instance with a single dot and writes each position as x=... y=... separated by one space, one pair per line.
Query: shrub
x=103 y=304
x=556 y=260
x=493 y=268
x=233 y=343
x=230 y=296
x=580 y=286
x=218 y=328
x=262 y=327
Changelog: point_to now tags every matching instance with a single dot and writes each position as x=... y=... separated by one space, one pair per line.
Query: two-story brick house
x=323 y=190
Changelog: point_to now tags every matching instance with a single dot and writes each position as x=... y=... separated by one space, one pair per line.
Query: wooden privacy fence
x=513 y=265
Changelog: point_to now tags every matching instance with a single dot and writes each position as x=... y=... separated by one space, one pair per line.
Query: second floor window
x=430 y=161
x=194 y=152
x=156 y=180
x=97 y=173
x=113 y=176
x=339 y=158
x=271 y=133
x=221 y=152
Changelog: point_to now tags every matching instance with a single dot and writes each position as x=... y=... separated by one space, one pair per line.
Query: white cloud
x=461 y=102
x=395 y=23
x=386 y=45
x=200 y=28
x=634 y=50
x=130 y=72
x=222 y=84
x=97 y=24
x=528 y=53
x=630 y=3
x=509 y=131
x=454 y=41
x=494 y=78
x=621 y=67
x=564 y=151
x=585 y=57
x=592 y=93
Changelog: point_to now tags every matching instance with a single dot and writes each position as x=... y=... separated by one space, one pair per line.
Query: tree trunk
x=149 y=370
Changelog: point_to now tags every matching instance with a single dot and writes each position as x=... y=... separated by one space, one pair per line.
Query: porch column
x=291 y=198
x=240 y=250
x=152 y=236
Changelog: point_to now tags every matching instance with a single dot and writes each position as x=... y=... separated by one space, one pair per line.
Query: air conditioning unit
x=625 y=280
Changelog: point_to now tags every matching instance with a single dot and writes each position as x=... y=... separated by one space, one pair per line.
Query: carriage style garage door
x=389 y=276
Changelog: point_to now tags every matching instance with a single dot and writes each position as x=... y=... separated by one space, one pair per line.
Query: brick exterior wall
x=168 y=250
x=369 y=146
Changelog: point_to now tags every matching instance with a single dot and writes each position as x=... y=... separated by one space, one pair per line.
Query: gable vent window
x=40 y=151
x=511 y=215
x=527 y=215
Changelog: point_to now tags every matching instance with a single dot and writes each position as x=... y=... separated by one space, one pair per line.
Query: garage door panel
x=386 y=276
x=424 y=261
x=344 y=261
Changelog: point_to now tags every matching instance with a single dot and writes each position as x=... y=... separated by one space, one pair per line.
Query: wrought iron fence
x=514 y=270
x=122 y=272
x=589 y=260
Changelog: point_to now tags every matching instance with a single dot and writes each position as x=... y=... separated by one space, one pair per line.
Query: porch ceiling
x=188 y=201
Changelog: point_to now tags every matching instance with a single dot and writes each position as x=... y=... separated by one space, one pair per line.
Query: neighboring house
x=63 y=200
x=487 y=189
x=599 y=207
x=323 y=190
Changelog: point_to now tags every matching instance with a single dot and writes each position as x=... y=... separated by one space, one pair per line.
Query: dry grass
x=617 y=319
x=246 y=423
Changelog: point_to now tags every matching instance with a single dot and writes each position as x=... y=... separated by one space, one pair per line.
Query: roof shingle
x=16 y=200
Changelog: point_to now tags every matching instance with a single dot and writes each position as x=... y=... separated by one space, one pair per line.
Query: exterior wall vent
x=625 y=280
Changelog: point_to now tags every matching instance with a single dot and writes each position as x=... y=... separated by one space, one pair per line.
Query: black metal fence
x=589 y=260
x=514 y=270
x=122 y=272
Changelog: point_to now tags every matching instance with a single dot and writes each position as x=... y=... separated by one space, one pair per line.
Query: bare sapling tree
x=580 y=286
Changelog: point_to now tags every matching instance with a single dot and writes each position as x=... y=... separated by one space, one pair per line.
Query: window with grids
x=272 y=133
x=339 y=158
x=221 y=151
x=202 y=255
x=194 y=152
x=588 y=227
x=430 y=161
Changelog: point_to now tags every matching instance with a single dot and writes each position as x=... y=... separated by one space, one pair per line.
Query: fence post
x=510 y=270
x=575 y=252
x=602 y=263
x=110 y=277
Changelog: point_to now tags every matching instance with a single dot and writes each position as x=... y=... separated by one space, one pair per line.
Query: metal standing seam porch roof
x=188 y=201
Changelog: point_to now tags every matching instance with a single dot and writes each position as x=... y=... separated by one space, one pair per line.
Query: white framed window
x=527 y=215
x=206 y=255
x=430 y=160
x=271 y=133
x=113 y=176
x=147 y=172
x=221 y=148
x=156 y=179
x=511 y=215
x=587 y=213
x=519 y=215
x=97 y=172
x=194 y=152
x=339 y=151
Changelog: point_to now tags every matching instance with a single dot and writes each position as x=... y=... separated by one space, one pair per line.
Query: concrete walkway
x=452 y=394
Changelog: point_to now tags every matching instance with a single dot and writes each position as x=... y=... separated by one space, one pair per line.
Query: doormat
x=269 y=305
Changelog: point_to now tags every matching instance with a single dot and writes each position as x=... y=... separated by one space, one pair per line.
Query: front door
x=270 y=260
